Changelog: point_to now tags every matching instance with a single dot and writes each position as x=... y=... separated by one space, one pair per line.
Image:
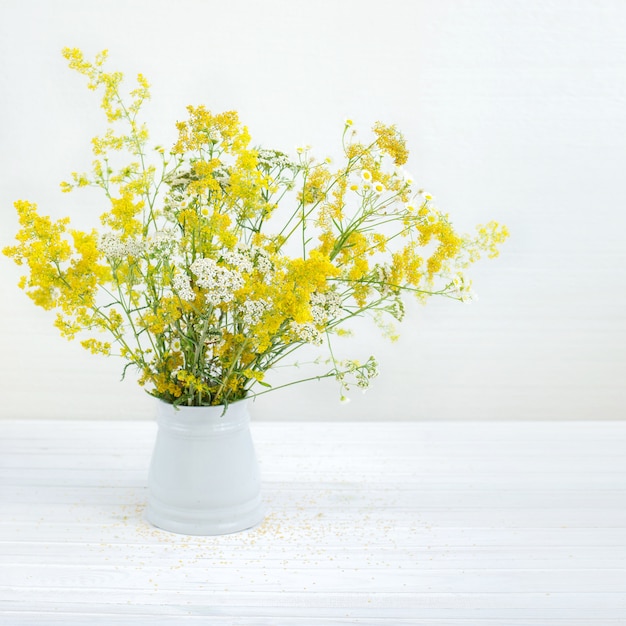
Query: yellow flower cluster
x=204 y=131
x=209 y=273
x=391 y=142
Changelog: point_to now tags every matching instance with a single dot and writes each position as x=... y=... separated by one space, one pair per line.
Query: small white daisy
x=379 y=187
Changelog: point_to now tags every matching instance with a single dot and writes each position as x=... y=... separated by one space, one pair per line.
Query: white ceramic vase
x=204 y=476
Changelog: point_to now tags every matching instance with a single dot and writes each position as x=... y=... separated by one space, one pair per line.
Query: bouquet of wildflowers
x=215 y=260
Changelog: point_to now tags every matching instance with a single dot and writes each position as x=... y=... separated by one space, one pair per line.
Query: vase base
x=205 y=523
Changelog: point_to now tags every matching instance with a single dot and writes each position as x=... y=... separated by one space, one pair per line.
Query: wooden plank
x=293 y=617
x=472 y=557
x=326 y=495
x=360 y=577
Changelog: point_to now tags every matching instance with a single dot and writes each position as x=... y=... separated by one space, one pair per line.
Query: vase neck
x=192 y=421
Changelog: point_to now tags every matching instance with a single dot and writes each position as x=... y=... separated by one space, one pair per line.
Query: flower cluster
x=352 y=372
x=218 y=282
x=215 y=260
x=114 y=248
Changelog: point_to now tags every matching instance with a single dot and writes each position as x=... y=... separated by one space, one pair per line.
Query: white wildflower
x=114 y=248
x=219 y=282
x=182 y=286
x=463 y=288
x=363 y=373
x=161 y=243
x=319 y=315
x=263 y=262
x=134 y=247
x=252 y=311
x=324 y=306
x=318 y=309
x=308 y=333
x=350 y=372
x=469 y=296
x=239 y=258
x=397 y=309
x=273 y=158
x=382 y=275
x=333 y=303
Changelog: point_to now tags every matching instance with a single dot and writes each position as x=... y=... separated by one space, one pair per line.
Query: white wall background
x=514 y=111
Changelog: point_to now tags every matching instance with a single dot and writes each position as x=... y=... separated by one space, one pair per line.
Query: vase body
x=204 y=477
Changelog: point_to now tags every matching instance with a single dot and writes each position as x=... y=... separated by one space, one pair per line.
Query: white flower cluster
x=365 y=373
x=252 y=311
x=405 y=176
x=246 y=259
x=114 y=248
x=397 y=309
x=324 y=306
x=263 y=262
x=177 y=201
x=182 y=286
x=463 y=288
x=161 y=243
x=239 y=258
x=220 y=282
x=362 y=374
x=366 y=185
x=307 y=332
x=382 y=275
x=273 y=158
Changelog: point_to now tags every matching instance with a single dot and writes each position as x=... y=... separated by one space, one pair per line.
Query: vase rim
x=198 y=421
x=209 y=406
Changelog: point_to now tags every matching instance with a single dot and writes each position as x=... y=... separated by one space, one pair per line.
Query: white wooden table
x=455 y=523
